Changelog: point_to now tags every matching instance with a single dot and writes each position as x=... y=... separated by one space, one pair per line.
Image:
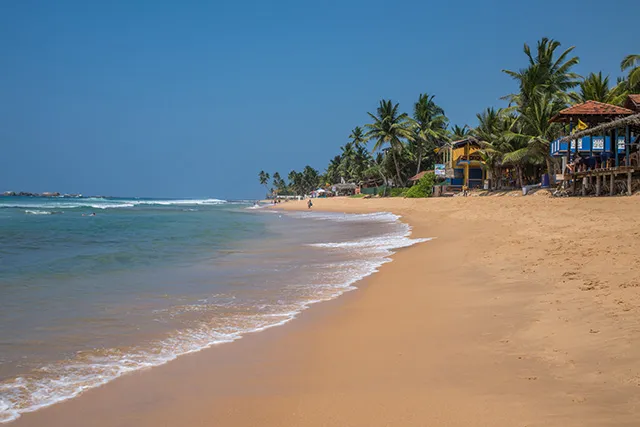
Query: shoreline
x=443 y=335
x=67 y=383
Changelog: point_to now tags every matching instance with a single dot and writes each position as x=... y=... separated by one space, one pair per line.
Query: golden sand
x=524 y=311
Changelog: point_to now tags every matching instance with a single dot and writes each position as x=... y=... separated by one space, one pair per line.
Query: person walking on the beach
x=309 y=204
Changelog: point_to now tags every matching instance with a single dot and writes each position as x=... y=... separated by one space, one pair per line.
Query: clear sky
x=193 y=98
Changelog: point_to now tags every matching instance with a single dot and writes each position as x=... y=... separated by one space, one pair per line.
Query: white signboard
x=439 y=170
x=598 y=143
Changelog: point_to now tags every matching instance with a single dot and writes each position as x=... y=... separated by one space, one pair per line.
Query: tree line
x=515 y=138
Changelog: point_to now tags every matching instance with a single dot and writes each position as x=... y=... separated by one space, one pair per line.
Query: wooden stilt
x=584 y=186
x=629 y=183
x=598 y=185
x=611 y=184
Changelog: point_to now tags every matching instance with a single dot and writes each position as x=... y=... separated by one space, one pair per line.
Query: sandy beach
x=522 y=311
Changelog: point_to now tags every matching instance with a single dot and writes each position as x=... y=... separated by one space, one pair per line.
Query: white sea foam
x=189 y=202
x=70 y=378
x=99 y=203
x=35 y=212
x=344 y=217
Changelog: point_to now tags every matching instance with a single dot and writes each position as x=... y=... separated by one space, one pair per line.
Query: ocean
x=87 y=298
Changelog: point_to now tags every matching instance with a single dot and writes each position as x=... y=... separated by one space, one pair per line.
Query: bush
x=422 y=188
x=398 y=192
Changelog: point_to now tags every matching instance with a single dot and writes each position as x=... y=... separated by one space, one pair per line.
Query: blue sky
x=194 y=98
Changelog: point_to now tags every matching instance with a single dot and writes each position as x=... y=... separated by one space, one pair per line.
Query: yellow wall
x=461 y=151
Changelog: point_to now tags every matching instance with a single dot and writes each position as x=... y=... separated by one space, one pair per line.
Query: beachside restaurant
x=601 y=144
x=463 y=164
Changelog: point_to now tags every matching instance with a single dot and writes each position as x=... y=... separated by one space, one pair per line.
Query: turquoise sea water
x=86 y=298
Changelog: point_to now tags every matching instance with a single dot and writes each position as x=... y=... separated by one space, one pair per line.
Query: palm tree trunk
x=419 y=161
x=519 y=172
x=551 y=171
x=384 y=178
x=395 y=160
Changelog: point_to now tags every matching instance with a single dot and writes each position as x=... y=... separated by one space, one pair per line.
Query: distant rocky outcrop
x=45 y=194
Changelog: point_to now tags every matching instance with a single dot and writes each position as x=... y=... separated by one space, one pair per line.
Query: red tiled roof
x=419 y=175
x=591 y=108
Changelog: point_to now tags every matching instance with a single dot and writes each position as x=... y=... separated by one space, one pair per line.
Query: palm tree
x=278 y=182
x=347 y=158
x=492 y=133
x=390 y=127
x=457 y=133
x=536 y=133
x=264 y=179
x=544 y=74
x=294 y=181
x=632 y=62
x=596 y=87
x=310 y=179
x=362 y=162
x=332 y=173
x=430 y=126
x=357 y=136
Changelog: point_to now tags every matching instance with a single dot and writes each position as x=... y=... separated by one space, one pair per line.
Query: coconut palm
x=492 y=132
x=332 y=173
x=347 y=159
x=357 y=136
x=544 y=74
x=361 y=162
x=278 y=182
x=264 y=179
x=632 y=63
x=457 y=132
x=596 y=87
x=294 y=182
x=310 y=179
x=535 y=133
x=390 y=127
x=430 y=126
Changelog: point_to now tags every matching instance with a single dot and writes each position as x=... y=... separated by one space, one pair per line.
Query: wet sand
x=524 y=311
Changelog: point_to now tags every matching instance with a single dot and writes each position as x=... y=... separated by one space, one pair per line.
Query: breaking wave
x=68 y=378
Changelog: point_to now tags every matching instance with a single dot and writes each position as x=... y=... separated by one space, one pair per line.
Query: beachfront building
x=601 y=144
x=633 y=103
x=345 y=189
x=463 y=164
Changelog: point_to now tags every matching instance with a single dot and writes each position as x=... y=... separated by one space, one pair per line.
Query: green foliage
x=430 y=129
x=398 y=192
x=459 y=132
x=390 y=127
x=422 y=188
x=515 y=138
x=545 y=74
x=632 y=81
x=595 y=87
